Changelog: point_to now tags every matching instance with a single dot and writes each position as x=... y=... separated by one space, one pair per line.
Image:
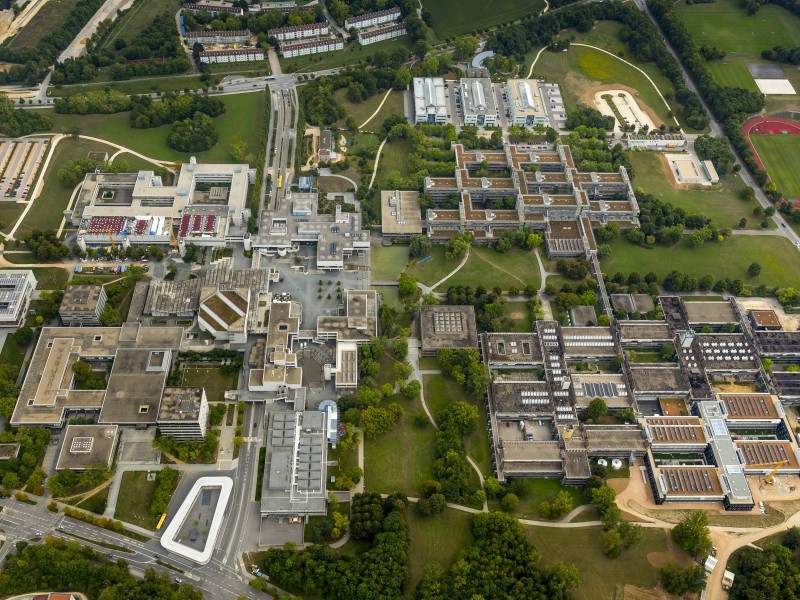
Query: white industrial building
x=429 y=101
x=379 y=34
x=525 y=103
x=231 y=56
x=313 y=47
x=299 y=32
x=16 y=288
x=478 y=102
x=371 y=19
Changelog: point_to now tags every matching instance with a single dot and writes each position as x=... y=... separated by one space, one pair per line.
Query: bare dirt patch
x=619 y=485
x=588 y=94
x=517 y=315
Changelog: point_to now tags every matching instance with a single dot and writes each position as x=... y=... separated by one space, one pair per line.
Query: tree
x=406 y=285
x=110 y=317
x=596 y=409
x=7 y=406
x=692 y=534
x=11 y=480
x=402 y=77
x=420 y=246
x=754 y=270
x=602 y=498
x=611 y=543
x=464 y=46
x=410 y=390
x=510 y=502
x=630 y=533
x=23 y=336
x=677 y=580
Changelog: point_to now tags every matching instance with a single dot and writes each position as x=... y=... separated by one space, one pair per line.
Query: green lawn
x=438 y=539
x=19 y=257
x=95 y=503
x=48 y=278
x=166 y=83
x=603 y=577
x=441 y=391
x=133 y=503
x=48 y=208
x=401 y=459
x=212 y=380
x=726 y=259
x=517 y=323
x=243 y=118
x=47 y=20
x=431 y=271
x=720 y=202
x=9 y=214
x=732 y=74
x=12 y=355
x=139 y=17
x=779 y=154
x=489 y=268
x=450 y=18
x=580 y=70
x=351 y=55
x=534 y=491
x=361 y=111
x=388 y=262
x=393 y=158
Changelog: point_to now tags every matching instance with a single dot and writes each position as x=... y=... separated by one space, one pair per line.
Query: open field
x=581 y=70
x=601 y=576
x=724 y=259
x=165 y=83
x=720 y=202
x=9 y=214
x=779 y=154
x=534 y=491
x=243 y=118
x=439 y=539
x=138 y=18
x=361 y=111
x=726 y=25
x=133 y=503
x=519 y=316
x=393 y=159
x=210 y=378
x=451 y=18
x=12 y=355
x=431 y=271
x=401 y=459
x=440 y=391
x=388 y=262
x=351 y=55
x=47 y=20
x=48 y=208
x=489 y=268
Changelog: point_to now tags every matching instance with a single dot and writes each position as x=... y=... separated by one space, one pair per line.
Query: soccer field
x=779 y=154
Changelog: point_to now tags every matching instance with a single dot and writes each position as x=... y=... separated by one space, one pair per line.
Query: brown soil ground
x=518 y=315
x=587 y=97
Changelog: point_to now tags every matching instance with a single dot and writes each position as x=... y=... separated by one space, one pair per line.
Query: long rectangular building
x=214 y=8
x=478 y=102
x=218 y=37
x=373 y=18
x=313 y=47
x=526 y=106
x=379 y=34
x=429 y=101
x=231 y=56
x=299 y=32
x=16 y=288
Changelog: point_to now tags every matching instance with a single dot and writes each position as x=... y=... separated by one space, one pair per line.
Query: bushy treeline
x=150 y=113
x=30 y=66
x=638 y=32
x=16 y=122
x=784 y=55
x=773 y=572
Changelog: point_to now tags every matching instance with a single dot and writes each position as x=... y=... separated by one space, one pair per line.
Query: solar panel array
x=601 y=390
x=749 y=405
x=766 y=452
x=308 y=469
x=700 y=480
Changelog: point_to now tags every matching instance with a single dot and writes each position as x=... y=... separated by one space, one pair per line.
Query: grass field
x=441 y=391
x=601 y=577
x=210 y=378
x=48 y=19
x=726 y=259
x=401 y=459
x=95 y=503
x=431 y=271
x=779 y=154
x=12 y=355
x=449 y=18
x=534 y=491
x=511 y=311
x=393 y=159
x=720 y=202
x=133 y=503
x=439 y=539
x=351 y=55
x=581 y=69
x=727 y=26
x=9 y=215
x=138 y=18
x=48 y=208
x=361 y=111
x=388 y=262
x=243 y=118
x=489 y=268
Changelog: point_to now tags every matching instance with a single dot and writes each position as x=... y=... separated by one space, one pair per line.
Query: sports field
x=450 y=18
x=779 y=153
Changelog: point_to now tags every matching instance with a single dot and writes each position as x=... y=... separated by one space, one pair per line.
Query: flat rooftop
x=448 y=327
x=180 y=404
x=87 y=445
x=749 y=406
x=645 y=331
x=135 y=386
x=675 y=430
x=688 y=481
x=711 y=313
x=664 y=378
x=767 y=452
x=400 y=212
x=765 y=318
x=512 y=348
x=521 y=397
x=603 y=439
x=80 y=298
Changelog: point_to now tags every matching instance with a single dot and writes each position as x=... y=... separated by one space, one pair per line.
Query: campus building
x=525 y=103
x=183 y=413
x=380 y=34
x=299 y=32
x=429 y=101
x=400 y=214
x=218 y=37
x=478 y=102
x=231 y=56
x=656 y=141
x=16 y=288
x=312 y=47
x=371 y=19
x=82 y=305
x=214 y=8
x=206 y=206
x=86 y=446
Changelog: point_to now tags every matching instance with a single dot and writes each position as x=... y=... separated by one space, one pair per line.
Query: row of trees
x=18 y=470
x=16 y=122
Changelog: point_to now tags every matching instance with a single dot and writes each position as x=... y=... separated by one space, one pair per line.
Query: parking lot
x=19 y=162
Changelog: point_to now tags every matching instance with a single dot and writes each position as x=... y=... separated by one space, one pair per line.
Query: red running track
x=768 y=126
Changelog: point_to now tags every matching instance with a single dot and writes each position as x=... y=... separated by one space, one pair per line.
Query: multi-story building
x=430 y=105
x=183 y=413
x=82 y=305
x=525 y=103
x=379 y=34
x=656 y=141
x=218 y=37
x=313 y=47
x=223 y=314
x=16 y=288
x=371 y=19
x=215 y=8
x=478 y=102
x=299 y=32
x=85 y=446
x=231 y=56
